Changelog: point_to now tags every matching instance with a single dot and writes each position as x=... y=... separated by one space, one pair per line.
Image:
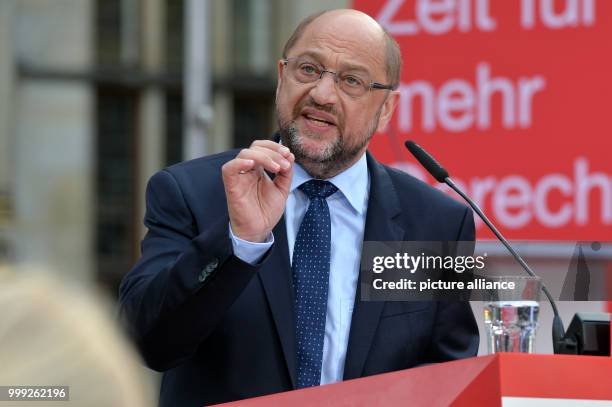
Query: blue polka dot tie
x=311 y=257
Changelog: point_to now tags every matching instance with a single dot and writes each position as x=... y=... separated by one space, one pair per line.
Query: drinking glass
x=511 y=314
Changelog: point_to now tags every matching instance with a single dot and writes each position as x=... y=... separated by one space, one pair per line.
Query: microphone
x=442 y=176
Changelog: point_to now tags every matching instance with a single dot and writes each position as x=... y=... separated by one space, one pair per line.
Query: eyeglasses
x=355 y=85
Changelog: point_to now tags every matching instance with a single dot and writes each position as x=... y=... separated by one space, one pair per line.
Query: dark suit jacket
x=222 y=330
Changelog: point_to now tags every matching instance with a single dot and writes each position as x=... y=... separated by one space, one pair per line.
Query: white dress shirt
x=347 y=207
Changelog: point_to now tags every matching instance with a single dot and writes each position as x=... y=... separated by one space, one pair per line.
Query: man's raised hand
x=255 y=202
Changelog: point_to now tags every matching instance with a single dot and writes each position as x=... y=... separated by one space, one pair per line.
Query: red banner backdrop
x=515 y=99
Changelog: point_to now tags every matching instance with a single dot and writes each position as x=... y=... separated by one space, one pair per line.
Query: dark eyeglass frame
x=372 y=85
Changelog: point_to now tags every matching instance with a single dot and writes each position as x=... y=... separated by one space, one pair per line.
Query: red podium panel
x=493 y=380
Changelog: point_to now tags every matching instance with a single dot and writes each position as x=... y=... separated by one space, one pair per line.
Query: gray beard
x=335 y=158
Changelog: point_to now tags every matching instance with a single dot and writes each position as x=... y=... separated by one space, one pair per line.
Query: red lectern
x=504 y=379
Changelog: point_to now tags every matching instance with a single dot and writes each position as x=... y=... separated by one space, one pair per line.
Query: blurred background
x=93 y=100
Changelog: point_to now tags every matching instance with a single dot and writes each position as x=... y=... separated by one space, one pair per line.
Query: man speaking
x=248 y=280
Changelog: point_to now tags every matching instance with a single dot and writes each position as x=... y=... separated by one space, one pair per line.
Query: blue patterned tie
x=311 y=257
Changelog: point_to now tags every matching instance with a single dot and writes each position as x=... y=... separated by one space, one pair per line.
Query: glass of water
x=511 y=313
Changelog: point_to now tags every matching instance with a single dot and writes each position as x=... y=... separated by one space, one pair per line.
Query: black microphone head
x=427 y=161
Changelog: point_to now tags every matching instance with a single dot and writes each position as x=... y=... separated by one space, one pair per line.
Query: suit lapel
x=383 y=211
x=277 y=281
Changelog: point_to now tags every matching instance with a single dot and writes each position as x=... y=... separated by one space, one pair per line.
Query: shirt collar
x=352 y=182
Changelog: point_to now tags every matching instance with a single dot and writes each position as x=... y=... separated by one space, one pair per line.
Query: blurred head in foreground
x=52 y=335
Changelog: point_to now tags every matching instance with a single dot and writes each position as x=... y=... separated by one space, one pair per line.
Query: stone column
x=54 y=133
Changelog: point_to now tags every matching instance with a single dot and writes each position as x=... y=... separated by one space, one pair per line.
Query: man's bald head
x=393 y=57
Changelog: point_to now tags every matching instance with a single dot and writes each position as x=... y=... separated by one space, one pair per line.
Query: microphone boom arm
x=514 y=254
x=560 y=343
